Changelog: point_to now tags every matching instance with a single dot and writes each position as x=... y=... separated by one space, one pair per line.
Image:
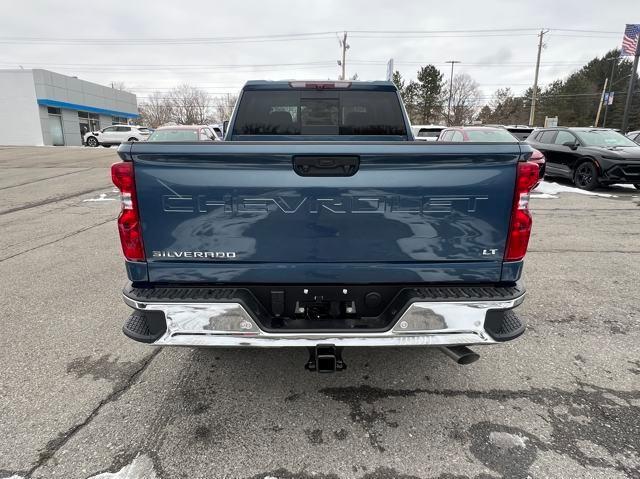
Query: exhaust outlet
x=460 y=354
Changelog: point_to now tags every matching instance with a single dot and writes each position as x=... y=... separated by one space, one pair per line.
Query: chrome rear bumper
x=228 y=324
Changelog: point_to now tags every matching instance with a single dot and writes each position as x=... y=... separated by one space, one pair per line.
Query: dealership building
x=40 y=107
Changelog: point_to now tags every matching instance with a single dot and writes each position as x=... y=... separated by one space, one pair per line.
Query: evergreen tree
x=398 y=81
x=428 y=94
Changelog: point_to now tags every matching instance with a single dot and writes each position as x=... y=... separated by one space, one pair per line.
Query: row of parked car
x=590 y=157
x=116 y=134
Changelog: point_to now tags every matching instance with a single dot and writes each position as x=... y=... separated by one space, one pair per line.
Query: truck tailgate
x=240 y=212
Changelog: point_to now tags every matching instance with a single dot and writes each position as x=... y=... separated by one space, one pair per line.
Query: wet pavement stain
x=286 y=474
x=105 y=367
x=607 y=418
x=341 y=434
x=356 y=396
x=389 y=473
x=293 y=397
x=314 y=436
x=202 y=432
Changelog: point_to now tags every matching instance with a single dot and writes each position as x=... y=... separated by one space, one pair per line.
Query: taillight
x=521 y=220
x=129 y=219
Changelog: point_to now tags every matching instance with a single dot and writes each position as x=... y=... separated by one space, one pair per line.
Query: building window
x=54 y=111
x=83 y=114
x=119 y=120
x=55 y=128
x=94 y=121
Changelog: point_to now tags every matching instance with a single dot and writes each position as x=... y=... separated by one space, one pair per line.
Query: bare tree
x=464 y=99
x=156 y=110
x=507 y=108
x=119 y=85
x=189 y=105
x=223 y=106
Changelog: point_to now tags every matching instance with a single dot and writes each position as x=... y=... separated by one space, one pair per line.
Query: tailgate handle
x=326 y=165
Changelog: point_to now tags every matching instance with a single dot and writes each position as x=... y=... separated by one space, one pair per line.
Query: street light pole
x=534 y=93
x=453 y=62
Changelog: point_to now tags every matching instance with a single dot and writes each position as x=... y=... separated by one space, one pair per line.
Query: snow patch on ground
x=102 y=197
x=504 y=440
x=550 y=188
x=140 y=468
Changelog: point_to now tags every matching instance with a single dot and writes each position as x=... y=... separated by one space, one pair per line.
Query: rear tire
x=586 y=176
x=106 y=146
x=92 y=141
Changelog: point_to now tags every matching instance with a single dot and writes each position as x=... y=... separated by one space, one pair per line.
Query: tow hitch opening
x=325 y=358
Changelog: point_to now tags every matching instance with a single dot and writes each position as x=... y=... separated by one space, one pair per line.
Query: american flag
x=630 y=39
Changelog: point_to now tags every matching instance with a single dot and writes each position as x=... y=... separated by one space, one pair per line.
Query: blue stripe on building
x=90 y=109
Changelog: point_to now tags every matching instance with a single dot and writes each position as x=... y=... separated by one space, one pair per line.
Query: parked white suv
x=116 y=134
x=426 y=132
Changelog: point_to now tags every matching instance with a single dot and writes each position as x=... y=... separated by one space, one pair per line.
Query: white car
x=427 y=132
x=116 y=134
x=217 y=131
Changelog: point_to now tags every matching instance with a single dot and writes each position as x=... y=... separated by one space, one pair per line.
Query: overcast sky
x=100 y=30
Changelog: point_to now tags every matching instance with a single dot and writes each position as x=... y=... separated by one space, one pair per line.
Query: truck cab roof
x=319 y=85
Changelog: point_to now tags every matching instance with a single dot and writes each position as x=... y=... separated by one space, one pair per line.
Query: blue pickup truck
x=320 y=223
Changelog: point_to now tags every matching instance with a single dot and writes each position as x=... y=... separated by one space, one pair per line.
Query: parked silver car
x=183 y=133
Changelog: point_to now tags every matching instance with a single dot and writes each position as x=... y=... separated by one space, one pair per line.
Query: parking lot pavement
x=78 y=399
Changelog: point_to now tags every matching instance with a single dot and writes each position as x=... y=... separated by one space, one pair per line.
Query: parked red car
x=489 y=134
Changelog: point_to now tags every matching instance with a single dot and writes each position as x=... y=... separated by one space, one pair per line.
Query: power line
x=180 y=65
x=167 y=40
x=289 y=36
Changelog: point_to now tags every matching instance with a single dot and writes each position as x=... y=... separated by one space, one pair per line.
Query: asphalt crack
x=45 y=179
x=54 y=445
x=35 y=204
x=68 y=235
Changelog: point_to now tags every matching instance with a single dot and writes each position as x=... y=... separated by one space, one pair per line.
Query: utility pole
x=604 y=89
x=532 y=114
x=614 y=61
x=345 y=47
x=453 y=62
x=632 y=82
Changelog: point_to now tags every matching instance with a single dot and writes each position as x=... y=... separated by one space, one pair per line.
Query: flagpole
x=632 y=82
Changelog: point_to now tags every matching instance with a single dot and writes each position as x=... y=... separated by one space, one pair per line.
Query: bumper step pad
x=145 y=326
x=504 y=325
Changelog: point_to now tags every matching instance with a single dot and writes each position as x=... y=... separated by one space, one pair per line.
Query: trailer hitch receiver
x=325 y=358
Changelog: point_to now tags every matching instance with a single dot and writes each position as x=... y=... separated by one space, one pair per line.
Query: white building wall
x=19 y=113
x=24 y=122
